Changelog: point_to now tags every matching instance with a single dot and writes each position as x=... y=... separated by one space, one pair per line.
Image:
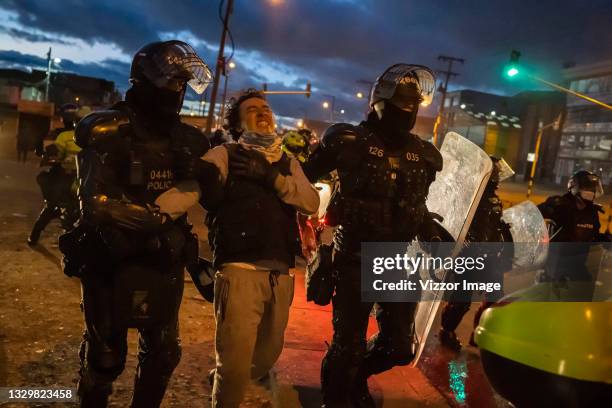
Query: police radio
x=136 y=170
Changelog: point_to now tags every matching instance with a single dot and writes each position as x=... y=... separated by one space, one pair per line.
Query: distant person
x=573 y=221
x=24 y=145
x=58 y=183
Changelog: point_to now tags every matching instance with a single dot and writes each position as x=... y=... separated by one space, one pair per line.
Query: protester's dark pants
x=350 y=360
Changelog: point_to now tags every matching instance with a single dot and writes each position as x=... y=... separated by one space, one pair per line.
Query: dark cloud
x=334 y=43
x=32 y=36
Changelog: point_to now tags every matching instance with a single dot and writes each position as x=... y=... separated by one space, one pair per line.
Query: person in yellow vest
x=67 y=149
x=58 y=182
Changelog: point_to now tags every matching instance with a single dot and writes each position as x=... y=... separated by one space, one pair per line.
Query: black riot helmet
x=398 y=92
x=585 y=184
x=68 y=112
x=160 y=73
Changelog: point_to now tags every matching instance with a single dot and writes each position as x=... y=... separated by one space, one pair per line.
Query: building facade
x=586 y=140
x=507 y=126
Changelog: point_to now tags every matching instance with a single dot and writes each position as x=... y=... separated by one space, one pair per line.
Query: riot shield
x=454 y=195
x=529 y=235
x=325 y=193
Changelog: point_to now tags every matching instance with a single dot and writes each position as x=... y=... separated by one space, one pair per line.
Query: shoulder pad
x=99 y=126
x=341 y=133
x=555 y=200
x=190 y=137
x=432 y=155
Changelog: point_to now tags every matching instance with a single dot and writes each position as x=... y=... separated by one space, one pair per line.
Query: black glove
x=186 y=165
x=253 y=165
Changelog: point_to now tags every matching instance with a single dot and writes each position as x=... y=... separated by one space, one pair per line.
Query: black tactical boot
x=449 y=340
x=360 y=394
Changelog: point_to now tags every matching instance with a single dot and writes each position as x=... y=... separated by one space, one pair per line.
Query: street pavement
x=40 y=328
x=41 y=325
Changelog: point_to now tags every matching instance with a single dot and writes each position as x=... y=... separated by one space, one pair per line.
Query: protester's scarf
x=268 y=144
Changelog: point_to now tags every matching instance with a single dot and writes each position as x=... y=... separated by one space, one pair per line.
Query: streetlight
x=359 y=95
x=493 y=113
x=342 y=111
x=331 y=107
x=300 y=123
x=57 y=60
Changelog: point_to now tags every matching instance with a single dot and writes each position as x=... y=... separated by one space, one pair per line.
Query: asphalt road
x=41 y=326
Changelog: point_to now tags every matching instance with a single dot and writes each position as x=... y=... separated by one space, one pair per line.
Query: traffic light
x=512 y=69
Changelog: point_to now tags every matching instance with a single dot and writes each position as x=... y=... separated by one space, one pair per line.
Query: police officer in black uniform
x=573 y=220
x=486 y=238
x=56 y=183
x=131 y=247
x=384 y=174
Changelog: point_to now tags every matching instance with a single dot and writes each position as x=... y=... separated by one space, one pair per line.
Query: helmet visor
x=176 y=64
x=591 y=183
x=406 y=85
x=505 y=171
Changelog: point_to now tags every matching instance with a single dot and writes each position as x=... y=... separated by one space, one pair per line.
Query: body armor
x=382 y=192
x=251 y=223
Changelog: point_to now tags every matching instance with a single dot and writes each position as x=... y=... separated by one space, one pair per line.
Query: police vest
x=382 y=193
x=251 y=223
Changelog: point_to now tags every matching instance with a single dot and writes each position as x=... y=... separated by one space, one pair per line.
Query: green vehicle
x=548 y=354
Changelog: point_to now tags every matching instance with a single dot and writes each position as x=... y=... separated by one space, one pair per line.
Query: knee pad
x=104 y=366
x=165 y=359
x=172 y=356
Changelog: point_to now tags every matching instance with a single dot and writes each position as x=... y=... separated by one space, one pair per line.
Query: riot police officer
x=485 y=238
x=133 y=241
x=57 y=183
x=573 y=221
x=384 y=174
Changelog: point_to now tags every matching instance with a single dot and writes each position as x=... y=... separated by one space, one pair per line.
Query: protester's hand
x=253 y=165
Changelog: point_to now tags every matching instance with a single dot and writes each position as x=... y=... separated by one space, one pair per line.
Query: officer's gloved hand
x=186 y=165
x=253 y=165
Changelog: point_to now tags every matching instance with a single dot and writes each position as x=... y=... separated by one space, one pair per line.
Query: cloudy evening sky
x=332 y=43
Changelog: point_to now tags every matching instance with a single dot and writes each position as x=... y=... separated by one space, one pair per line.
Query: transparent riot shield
x=529 y=235
x=454 y=195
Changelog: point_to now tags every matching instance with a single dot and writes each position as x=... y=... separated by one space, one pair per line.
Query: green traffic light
x=512 y=72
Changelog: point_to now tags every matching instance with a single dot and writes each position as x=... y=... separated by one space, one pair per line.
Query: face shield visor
x=586 y=185
x=405 y=86
x=175 y=64
x=504 y=169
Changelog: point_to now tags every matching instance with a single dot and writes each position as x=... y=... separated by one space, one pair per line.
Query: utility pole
x=48 y=79
x=220 y=66
x=449 y=73
x=223 y=101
